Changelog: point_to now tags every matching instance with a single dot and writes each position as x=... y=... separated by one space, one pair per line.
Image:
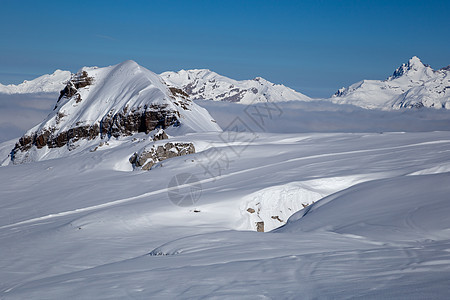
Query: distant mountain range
x=49 y=83
x=412 y=85
x=207 y=85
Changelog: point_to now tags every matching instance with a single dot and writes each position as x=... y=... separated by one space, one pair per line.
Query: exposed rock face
x=260 y=226
x=79 y=80
x=149 y=157
x=47 y=138
x=138 y=120
x=277 y=218
x=160 y=135
x=251 y=210
x=111 y=125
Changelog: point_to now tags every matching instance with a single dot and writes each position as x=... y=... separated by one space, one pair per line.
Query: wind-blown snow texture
x=84 y=224
x=413 y=84
x=85 y=231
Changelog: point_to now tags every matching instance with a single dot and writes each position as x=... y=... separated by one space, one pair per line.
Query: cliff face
x=111 y=102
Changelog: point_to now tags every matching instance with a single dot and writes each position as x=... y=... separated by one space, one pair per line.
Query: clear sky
x=314 y=47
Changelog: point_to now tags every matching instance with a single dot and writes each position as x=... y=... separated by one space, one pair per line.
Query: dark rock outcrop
x=146 y=120
x=260 y=226
x=149 y=157
x=78 y=81
x=123 y=123
x=160 y=135
x=46 y=137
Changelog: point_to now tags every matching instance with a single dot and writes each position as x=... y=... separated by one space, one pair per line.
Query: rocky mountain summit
x=412 y=85
x=207 y=85
x=111 y=102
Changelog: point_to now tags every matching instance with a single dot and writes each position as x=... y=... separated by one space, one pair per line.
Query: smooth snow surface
x=86 y=227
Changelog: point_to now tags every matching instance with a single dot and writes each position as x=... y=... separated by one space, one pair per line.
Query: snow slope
x=207 y=85
x=413 y=84
x=99 y=230
x=391 y=210
x=49 y=83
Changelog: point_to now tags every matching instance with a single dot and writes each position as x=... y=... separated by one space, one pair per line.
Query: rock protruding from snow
x=50 y=83
x=148 y=157
x=413 y=84
x=271 y=207
x=160 y=135
x=110 y=102
x=207 y=85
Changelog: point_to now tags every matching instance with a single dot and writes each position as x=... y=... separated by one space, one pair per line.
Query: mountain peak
x=129 y=64
x=415 y=61
x=413 y=65
x=98 y=104
x=413 y=84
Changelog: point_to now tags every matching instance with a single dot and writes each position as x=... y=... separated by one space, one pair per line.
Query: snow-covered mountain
x=350 y=215
x=208 y=85
x=49 y=83
x=115 y=101
x=413 y=84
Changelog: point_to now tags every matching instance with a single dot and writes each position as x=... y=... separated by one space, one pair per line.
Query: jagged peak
x=415 y=61
x=414 y=64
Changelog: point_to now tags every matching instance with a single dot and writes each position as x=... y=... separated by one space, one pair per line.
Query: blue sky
x=314 y=47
